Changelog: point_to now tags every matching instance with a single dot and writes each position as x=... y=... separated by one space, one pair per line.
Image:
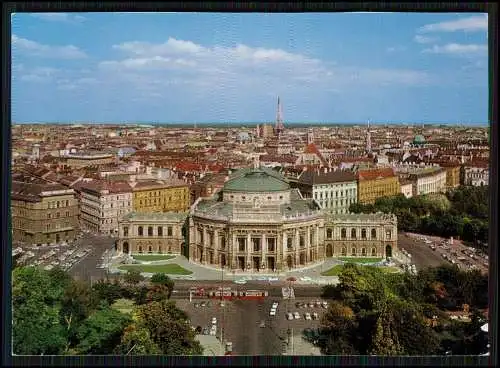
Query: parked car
x=272 y=312
x=307 y=316
x=296 y=315
x=289 y=316
x=214 y=321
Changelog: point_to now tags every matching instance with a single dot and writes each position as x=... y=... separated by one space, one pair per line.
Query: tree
x=77 y=303
x=102 y=331
x=385 y=340
x=136 y=340
x=108 y=291
x=163 y=279
x=169 y=328
x=158 y=293
x=36 y=328
x=338 y=325
x=133 y=277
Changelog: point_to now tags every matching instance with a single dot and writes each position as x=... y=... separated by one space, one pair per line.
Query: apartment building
x=477 y=175
x=376 y=183
x=431 y=180
x=160 y=196
x=43 y=213
x=334 y=191
x=103 y=203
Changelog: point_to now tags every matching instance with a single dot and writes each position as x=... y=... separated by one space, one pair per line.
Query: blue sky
x=221 y=67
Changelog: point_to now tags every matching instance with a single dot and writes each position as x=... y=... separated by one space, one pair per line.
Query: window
x=374 y=252
x=344 y=251
x=289 y=242
x=67 y=213
x=343 y=233
x=160 y=231
x=140 y=231
x=48 y=215
x=243 y=198
x=363 y=233
x=281 y=197
x=223 y=242
x=125 y=231
x=57 y=204
x=269 y=198
x=67 y=203
x=353 y=252
x=270 y=244
x=241 y=244
x=388 y=234
x=374 y=234
x=169 y=231
x=58 y=215
x=363 y=252
x=256 y=244
x=329 y=233
x=353 y=233
x=302 y=241
x=140 y=249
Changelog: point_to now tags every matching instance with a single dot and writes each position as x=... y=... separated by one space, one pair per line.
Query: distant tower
x=36 y=151
x=368 y=139
x=310 y=137
x=279 y=119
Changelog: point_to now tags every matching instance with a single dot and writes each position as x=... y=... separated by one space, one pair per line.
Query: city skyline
x=230 y=68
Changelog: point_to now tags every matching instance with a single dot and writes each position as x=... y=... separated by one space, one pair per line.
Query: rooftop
x=256 y=180
x=156 y=216
x=319 y=177
x=34 y=192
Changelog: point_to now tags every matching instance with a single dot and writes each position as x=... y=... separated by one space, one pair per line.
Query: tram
x=231 y=294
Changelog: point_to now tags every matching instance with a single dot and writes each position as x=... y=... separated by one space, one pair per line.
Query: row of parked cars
x=307 y=316
x=313 y=304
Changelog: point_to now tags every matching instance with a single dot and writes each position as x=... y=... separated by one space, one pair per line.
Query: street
x=241 y=321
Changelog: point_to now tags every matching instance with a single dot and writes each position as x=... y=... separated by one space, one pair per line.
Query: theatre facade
x=257 y=223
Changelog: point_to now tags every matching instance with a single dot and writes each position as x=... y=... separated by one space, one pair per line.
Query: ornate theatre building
x=258 y=223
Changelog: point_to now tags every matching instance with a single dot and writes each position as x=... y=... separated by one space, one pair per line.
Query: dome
x=419 y=139
x=256 y=181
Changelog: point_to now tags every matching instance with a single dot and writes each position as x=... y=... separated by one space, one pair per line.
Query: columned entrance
x=241 y=263
x=388 y=251
x=256 y=263
x=271 y=263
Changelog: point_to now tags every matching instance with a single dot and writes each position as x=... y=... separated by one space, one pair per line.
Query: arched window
x=363 y=252
x=150 y=230
x=150 y=250
x=353 y=252
x=363 y=233
x=374 y=252
x=329 y=233
x=140 y=231
x=374 y=234
x=343 y=233
x=140 y=249
x=344 y=251
x=353 y=233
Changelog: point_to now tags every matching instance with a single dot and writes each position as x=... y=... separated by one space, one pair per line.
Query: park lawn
x=360 y=260
x=152 y=257
x=124 y=305
x=336 y=270
x=169 y=269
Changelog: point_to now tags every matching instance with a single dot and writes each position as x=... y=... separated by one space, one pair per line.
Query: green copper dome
x=256 y=181
x=419 y=139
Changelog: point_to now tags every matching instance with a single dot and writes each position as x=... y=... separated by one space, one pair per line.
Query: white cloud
x=47 y=51
x=425 y=39
x=60 y=17
x=458 y=49
x=396 y=48
x=470 y=24
x=37 y=74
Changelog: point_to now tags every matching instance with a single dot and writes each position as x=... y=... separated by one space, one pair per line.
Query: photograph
x=250 y=184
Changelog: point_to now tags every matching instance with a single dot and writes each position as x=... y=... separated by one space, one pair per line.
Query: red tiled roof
x=374 y=174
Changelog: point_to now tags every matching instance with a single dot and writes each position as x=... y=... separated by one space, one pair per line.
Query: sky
x=223 y=67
